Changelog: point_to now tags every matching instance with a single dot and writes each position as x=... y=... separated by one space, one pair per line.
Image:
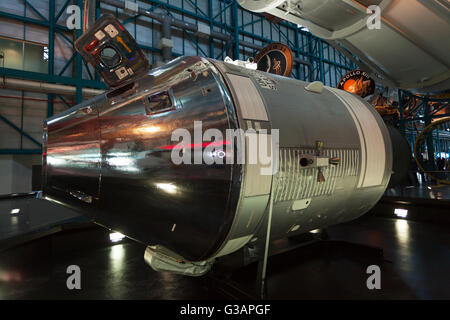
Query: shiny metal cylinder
x=110 y=157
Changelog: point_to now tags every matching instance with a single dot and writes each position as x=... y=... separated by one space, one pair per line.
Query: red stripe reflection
x=193 y=145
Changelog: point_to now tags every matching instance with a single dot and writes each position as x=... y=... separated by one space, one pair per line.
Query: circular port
x=304 y=162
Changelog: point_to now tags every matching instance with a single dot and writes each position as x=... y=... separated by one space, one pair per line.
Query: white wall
x=16 y=172
x=6 y=174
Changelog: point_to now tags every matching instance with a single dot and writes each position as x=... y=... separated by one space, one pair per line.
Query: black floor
x=415 y=265
x=419 y=253
x=23 y=217
x=429 y=190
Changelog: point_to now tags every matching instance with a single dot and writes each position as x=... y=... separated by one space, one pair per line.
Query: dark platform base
x=244 y=283
x=415 y=266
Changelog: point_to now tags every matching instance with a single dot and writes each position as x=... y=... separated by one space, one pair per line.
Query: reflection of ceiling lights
x=402 y=230
x=150 y=129
x=120 y=161
x=116 y=236
x=402 y=213
x=167 y=187
x=15 y=211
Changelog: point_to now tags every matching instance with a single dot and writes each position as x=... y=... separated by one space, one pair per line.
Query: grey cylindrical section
x=303 y=118
x=166 y=33
x=401 y=157
x=351 y=132
x=36 y=86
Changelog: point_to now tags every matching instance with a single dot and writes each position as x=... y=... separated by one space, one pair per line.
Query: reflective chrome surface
x=110 y=158
x=71 y=157
x=116 y=159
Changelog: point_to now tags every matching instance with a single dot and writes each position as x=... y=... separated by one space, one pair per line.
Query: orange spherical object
x=350 y=86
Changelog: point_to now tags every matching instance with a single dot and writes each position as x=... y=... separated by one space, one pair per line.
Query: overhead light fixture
x=402 y=213
x=15 y=211
x=116 y=236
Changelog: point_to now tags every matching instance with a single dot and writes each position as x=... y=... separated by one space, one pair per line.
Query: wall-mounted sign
x=275 y=58
x=357 y=82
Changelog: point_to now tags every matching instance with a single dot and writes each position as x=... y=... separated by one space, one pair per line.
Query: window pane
x=159 y=102
x=12 y=53
x=110 y=57
x=36 y=59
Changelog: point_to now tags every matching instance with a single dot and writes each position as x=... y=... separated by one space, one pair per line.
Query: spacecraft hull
x=350 y=129
x=112 y=158
x=118 y=168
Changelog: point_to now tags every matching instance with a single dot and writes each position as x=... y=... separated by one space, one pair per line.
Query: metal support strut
x=262 y=269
